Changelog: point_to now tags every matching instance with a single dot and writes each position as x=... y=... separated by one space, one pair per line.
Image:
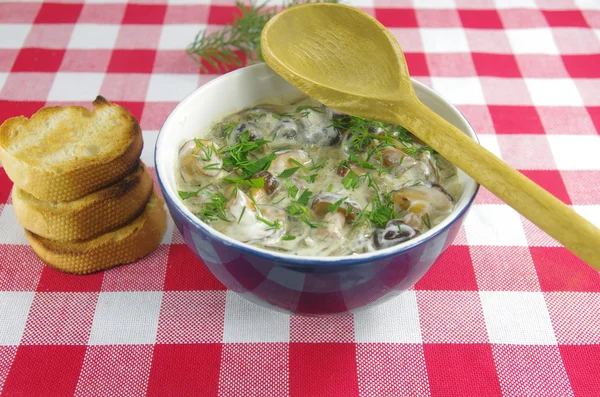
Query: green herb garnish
x=351 y=180
x=426 y=220
x=334 y=207
x=214 y=208
x=288 y=237
x=287 y=173
x=187 y=195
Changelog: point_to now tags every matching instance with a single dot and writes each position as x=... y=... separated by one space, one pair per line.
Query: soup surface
x=303 y=179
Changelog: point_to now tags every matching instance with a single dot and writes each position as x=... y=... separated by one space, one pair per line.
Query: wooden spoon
x=347 y=60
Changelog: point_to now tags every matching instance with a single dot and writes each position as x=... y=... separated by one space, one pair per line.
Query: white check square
x=148 y=149
x=587 y=4
x=518 y=318
x=460 y=90
x=589 y=212
x=13 y=35
x=11 y=231
x=490 y=142
x=554 y=92
x=444 y=40
x=171 y=87
x=177 y=37
x=515 y=4
x=93 y=36
x=395 y=321
x=575 y=152
x=247 y=322
x=3 y=77
x=76 y=86
x=435 y=4
x=126 y=318
x=532 y=41
x=14 y=309
x=194 y=2
x=494 y=225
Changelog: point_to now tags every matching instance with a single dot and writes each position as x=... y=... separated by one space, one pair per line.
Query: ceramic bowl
x=295 y=284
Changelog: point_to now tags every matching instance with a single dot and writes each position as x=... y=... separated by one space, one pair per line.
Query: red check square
x=38 y=60
x=461 y=370
x=583 y=66
x=58 y=13
x=516 y=120
x=581 y=363
x=186 y=272
x=185 y=370
x=5 y=186
x=496 y=65
x=557 y=18
x=480 y=19
x=135 y=108
x=132 y=61
x=453 y=271
x=417 y=64
x=36 y=366
x=550 y=180
x=141 y=14
x=560 y=270
x=335 y=374
x=10 y=109
x=397 y=17
x=53 y=280
x=222 y=15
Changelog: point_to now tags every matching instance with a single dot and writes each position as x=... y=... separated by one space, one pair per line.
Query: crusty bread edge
x=141 y=237
x=95 y=214
x=44 y=184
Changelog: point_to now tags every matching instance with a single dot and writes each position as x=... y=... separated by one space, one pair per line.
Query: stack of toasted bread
x=82 y=194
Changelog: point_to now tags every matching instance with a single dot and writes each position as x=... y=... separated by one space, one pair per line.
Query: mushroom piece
x=199 y=157
x=317 y=128
x=254 y=224
x=286 y=130
x=348 y=208
x=284 y=161
x=393 y=157
x=394 y=233
x=270 y=186
x=425 y=198
x=254 y=132
x=344 y=214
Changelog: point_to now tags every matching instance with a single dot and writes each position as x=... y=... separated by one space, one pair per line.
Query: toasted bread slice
x=126 y=244
x=63 y=153
x=89 y=216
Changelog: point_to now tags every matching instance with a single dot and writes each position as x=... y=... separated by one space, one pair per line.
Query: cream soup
x=303 y=179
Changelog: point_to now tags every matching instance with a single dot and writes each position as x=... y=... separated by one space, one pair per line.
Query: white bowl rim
x=465 y=201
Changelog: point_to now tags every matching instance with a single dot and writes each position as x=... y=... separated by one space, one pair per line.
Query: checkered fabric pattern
x=505 y=311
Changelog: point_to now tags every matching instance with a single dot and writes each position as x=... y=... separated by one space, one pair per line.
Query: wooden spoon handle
x=536 y=204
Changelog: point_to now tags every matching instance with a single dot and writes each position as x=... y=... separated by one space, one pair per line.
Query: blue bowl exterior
x=317 y=288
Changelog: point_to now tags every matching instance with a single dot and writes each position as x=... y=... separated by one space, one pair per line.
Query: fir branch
x=221 y=48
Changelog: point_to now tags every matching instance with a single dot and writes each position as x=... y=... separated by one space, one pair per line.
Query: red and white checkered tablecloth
x=505 y=311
